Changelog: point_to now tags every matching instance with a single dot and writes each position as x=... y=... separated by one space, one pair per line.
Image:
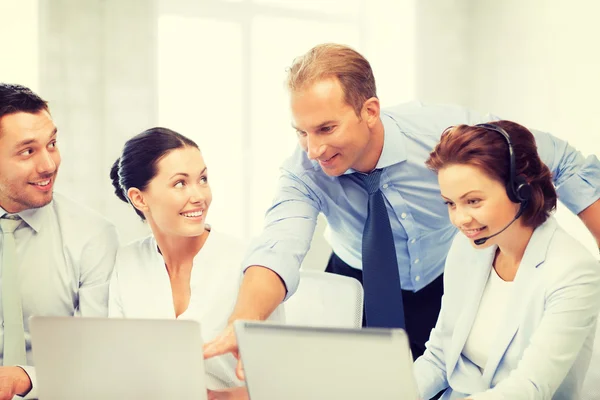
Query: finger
x=239 y=370
x=217 y=347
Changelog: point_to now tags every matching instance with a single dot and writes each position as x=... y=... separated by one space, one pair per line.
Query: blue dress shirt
x=418 y=216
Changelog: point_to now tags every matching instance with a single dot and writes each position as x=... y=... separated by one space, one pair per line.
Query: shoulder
x=433 y=119
x=460 y=253
x=567 y=258
x=78 y=216
x=136 y=255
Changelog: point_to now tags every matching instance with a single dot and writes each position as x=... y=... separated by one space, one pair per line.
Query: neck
x=179 y=252
x=512 y=247
x=372 y=152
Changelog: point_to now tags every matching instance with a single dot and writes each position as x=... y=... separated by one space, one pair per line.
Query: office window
x=221 y=71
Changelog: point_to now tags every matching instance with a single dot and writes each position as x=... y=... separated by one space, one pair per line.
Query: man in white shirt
x=62 y=254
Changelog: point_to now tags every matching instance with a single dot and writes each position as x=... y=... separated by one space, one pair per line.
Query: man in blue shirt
x=342 y=131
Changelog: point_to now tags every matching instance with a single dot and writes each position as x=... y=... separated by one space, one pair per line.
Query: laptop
x=299 y=363
x=102 y=358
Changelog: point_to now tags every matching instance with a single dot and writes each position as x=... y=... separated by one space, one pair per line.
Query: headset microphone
x=481 y=241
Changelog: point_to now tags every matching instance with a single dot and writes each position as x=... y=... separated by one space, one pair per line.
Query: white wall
x=99 y=63
x=537 y=62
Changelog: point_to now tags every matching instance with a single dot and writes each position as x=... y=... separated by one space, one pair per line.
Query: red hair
x=488 y=150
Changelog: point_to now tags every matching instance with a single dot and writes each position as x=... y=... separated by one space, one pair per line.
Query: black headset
x=517 y=188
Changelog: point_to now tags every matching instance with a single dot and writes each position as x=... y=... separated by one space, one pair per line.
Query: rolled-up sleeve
x=289 y=227
x=577 y=178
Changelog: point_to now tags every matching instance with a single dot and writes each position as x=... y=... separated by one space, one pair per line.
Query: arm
x=577 y=179
x=273 y=261
x=97 y=264
x=572 y=306
x=591 y=218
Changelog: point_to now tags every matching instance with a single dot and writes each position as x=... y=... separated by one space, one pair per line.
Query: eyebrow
x=321 y=125
x=186 y=174
x=463 y=196
x=30 y=141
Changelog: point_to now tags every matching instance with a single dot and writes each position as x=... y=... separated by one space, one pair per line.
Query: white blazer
x=543 y=347
x=140 y=288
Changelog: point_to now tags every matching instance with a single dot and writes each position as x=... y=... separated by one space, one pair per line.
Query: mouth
x=329 y=161
x=43 y=185
x=193 y=214
x=472 y=233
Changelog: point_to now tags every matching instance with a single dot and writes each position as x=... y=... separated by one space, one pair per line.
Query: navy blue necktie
x=381 y=279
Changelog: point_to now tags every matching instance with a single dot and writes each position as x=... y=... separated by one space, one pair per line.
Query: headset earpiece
x=521 y=189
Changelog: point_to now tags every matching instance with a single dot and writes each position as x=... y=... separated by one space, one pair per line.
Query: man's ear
x=136 y=197
x=370 y=111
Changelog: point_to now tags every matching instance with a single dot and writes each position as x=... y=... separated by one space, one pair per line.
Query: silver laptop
x=288 y=362
x=101 y=358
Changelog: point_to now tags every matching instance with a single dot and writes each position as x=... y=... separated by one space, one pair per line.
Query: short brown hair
x=330 y=60
x=488 y=150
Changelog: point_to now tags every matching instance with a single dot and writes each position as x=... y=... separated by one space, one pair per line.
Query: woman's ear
x=136 y=197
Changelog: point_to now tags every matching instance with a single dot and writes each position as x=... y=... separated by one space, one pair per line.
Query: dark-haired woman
x=521 y=296
x=184 y=270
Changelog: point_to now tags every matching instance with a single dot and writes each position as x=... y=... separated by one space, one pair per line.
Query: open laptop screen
x=101 y=358
x=286 y=362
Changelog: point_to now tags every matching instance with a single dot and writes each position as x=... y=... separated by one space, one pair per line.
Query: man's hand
x=262 y=290
x=13 y=381
x=238 y=393
x=223 y=344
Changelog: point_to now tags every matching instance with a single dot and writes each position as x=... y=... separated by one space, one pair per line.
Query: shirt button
x=403 y=215
x=417 y=278
x=413 y=240
x=385 y=186
x=417 y=261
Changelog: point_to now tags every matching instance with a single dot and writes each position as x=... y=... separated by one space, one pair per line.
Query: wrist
x=23 y=382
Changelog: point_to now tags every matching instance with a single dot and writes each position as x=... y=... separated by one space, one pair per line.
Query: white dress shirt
x=65 y=254
x=140 y=288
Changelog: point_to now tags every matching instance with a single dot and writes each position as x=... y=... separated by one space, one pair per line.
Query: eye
x=300 y=133
x=27 y=152
x=449 y=204
x=473 y=202
x=204 y=179
x=327 y=129
x=52 y=144
x=179 y=184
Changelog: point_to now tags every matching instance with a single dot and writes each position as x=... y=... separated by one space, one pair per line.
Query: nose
x=461 y=218
x=46 y=163
x=315 y=147
x=198 y=193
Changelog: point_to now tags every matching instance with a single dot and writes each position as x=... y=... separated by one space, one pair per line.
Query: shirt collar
x=33 y=217
x=394 y=147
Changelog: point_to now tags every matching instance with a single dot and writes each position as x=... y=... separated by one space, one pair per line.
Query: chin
x=195 y=231
x=336 y=171
x=38 y=202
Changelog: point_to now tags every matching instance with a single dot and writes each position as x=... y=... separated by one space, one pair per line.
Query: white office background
x=214 y=70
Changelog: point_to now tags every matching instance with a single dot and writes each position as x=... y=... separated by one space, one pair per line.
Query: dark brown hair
x=488 y=150
x=16 y=98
